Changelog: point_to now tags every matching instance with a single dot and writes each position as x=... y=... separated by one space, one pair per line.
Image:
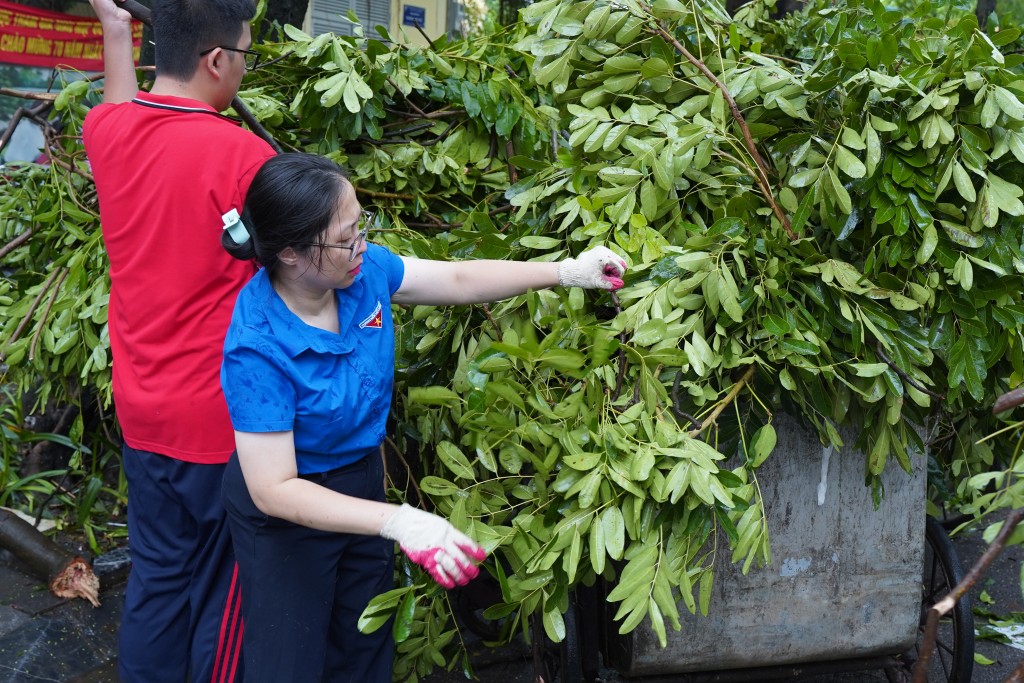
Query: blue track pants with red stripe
x=182 y=613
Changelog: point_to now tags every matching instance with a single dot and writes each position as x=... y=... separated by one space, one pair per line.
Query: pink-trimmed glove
x=597 y=268
x=446 y=553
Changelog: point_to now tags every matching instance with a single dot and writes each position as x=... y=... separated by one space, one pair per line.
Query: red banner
x=34 y=37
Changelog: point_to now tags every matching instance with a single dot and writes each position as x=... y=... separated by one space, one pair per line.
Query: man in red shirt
x=168 y=168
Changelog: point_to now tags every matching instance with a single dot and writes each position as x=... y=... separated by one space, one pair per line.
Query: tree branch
x=28 y=314
x=729 y=398
x=948 y=602
x=15 y=243
x=46 y=313
x=761 y=175
x=904 y=376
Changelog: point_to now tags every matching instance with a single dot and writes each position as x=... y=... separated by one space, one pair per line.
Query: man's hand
x=110 y=14
x=431 y=542
x=597 y=268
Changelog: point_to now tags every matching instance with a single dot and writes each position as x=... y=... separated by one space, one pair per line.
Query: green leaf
x=804 y=178
x=706 y=583
x=618 y=175
x=651 y=333
x=669 y=10
x=967 y=365
x=762 y=443
x=435 y=395
x=963 y=183
x=597 y=545
x=842 y=197
x=614 y=532
x=1008 y=103
x=799 y=346
x=1005 y=195
x=404 y=617
x=454 y=459
x=436 y=486
x=849 y=163
x=538 y=242
x=554 y=624
x=874 y=149
x=776 y=325
x=583 y=461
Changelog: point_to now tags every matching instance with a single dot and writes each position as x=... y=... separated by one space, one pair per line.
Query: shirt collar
x=184 y=103
x=295 y=336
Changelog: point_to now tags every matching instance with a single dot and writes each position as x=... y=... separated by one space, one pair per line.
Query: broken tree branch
x=67 y=575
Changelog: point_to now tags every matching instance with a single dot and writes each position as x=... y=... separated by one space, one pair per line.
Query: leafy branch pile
x=821 y=216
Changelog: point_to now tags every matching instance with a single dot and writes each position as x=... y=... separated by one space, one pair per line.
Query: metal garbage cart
x=847 y=588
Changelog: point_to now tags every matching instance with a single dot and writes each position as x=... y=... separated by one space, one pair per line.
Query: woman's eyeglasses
x=252 y=58
x=365 y=221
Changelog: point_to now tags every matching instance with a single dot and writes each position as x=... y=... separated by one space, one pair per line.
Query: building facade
x=400 y=17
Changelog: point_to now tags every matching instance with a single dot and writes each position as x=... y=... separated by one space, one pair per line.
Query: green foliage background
x=580 y=435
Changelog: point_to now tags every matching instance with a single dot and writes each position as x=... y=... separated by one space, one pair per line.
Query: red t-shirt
x=166 y=170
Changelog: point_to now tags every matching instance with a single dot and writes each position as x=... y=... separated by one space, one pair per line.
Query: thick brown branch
x=761 y=175
x=68 y=576
x=15 y=243
x=513 y=175
x=1010 y=399
x=729 y=398
x=948 y=602
x=423 y=33
x=11 y=127
x=29 y=95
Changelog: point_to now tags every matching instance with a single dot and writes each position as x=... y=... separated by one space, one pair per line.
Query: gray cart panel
x=844 y=582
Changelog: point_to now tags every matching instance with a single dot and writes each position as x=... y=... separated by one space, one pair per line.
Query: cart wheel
x=953 y=659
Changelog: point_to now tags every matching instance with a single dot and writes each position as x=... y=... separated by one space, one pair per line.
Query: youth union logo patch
x=374 y=320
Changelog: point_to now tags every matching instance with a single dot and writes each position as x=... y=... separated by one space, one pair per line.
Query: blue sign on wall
x=414 y=16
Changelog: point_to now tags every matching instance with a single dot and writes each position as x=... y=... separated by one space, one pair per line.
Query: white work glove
x=434 y=544
x=597 y=268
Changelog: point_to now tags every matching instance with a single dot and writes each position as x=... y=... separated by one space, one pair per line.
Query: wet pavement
x=44 y=639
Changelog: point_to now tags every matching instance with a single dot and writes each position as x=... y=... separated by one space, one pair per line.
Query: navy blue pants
x=305 y=589
x=181 y=617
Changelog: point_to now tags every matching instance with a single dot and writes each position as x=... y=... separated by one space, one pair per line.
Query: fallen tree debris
x=67 y=575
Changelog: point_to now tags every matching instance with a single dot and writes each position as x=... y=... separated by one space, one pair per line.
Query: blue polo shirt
x=332 y=390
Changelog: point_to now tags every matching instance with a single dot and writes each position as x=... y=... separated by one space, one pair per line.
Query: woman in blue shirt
x=308 y=374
